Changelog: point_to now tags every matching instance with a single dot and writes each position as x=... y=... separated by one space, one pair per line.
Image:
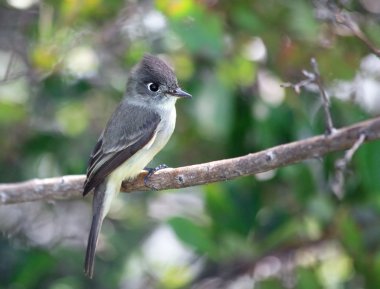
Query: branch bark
x=71 y=186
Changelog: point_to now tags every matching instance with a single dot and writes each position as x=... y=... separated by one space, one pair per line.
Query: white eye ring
x=152 y=86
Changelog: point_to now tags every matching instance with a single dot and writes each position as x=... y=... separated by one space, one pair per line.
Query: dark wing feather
x=96 y=153
x=129 y=129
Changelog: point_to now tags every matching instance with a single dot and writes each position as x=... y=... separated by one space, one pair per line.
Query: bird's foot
x=151 y=171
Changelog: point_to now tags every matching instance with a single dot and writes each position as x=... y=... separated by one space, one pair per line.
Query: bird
x=138 y=129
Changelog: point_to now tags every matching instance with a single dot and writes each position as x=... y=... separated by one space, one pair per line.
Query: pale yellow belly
x=133 y=166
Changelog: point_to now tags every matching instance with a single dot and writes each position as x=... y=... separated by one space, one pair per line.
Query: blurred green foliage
x=281 y=229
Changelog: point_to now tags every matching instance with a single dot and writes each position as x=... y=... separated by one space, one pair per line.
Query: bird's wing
x=127 y=131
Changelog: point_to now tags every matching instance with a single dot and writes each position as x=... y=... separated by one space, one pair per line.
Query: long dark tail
x=97 y=220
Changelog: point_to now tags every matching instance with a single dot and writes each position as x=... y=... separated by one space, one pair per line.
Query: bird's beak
x=178 y=92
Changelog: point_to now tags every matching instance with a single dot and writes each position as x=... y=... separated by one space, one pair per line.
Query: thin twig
x=310 y=78
x=14 y=76
x=341 y=165
x=325 y=100
x=345 y=19
x=276 y=157
x=9 y=66
x=315 y=77
x=10 y=76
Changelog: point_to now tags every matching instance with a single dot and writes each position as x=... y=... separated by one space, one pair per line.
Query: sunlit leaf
x=175 y=277
x=175 y=8
x=45 y=58
x=335 y=271
x=11 y=112
x=72 y=118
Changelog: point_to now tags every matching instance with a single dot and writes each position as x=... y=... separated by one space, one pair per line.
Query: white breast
x=133 y=166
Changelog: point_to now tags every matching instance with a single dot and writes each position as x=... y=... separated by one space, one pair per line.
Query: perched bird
x=138 y=129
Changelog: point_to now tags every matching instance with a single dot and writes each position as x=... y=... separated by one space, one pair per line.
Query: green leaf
x=351 y=236
x=307 y=278
x=213 y=113
x=270 y=284
x=367 y=160
x=11 y=112
x=36 y=264
x=72 y=118
x=190 y=28
x=232 y=208
x=302 y=21
x=246 y=19
x=194 y=235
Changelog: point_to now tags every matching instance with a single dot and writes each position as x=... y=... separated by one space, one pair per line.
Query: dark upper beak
x=180 y=93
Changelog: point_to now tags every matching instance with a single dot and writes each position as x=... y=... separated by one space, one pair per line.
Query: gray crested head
x=153 y=80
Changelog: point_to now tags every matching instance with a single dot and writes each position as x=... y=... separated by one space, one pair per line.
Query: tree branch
x=341 y=165
x=345 y=19
x=71 y=186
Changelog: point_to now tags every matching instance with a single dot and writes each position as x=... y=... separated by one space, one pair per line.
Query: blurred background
x=63 y=69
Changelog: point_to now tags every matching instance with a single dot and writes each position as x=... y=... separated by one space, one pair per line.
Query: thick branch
x=279 y=156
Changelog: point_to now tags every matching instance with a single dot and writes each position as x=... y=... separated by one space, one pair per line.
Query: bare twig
x=310 y=78
x=14 y=76
x=341 y=167
x=8 y=76
x=345 y=19
x=315 y=77
x=9 y=66
x=280 y=156
x=325 y=101
x=284 y=256
x=337 y=13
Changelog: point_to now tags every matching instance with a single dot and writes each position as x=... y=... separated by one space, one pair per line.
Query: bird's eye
x=152 y=86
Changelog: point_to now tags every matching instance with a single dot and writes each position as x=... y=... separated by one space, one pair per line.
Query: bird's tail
x=91 y=245
x=99 y=212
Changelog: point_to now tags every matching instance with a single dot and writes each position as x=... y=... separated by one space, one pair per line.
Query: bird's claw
x=151 y=171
